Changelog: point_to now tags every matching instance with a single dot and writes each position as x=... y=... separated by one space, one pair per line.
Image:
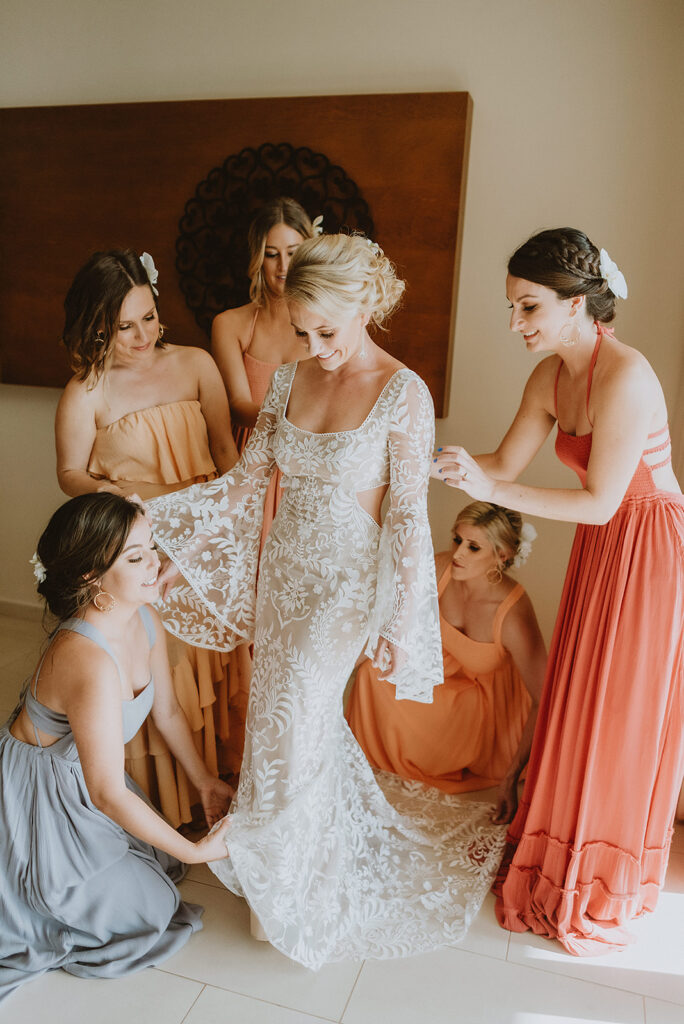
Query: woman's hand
x=216 y=796
x=506 y=802
x=213 y=846
x=388 y=658
x=167 y=578
x=457 y=468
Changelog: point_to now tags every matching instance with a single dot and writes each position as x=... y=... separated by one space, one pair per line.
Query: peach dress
x=589 y=846
x=467 y=738
x=162 y=445
x=259 y=375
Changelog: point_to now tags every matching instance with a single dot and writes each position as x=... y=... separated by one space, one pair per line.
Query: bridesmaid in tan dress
x=141 y=416
x=250 y=342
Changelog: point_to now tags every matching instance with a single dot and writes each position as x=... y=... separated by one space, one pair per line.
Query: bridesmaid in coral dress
x=589 y=846
x=250 y=342
x=478 y=730
x=144 y=417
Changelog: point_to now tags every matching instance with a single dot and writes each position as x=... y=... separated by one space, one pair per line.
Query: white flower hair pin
x=377 y=251
x=150 y=270
x=527 y=535
x=317 y=225
x=39 y=570
x=611 y=273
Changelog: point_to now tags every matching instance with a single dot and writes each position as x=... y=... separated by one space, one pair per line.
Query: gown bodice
x=133 y=712
x=574 y=450
x=163 y=444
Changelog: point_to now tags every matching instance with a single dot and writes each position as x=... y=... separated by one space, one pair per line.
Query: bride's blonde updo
x=341 y=276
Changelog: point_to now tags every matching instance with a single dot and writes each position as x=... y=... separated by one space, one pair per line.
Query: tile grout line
x=346 y=1005
x=194 y=1002
x=243 y=995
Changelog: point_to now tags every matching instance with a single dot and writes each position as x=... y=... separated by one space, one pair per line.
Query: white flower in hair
x=611 y=273
x=527 y=535
x=317 y=225
x=150 y=270
x=39 y=570
x=377 y=251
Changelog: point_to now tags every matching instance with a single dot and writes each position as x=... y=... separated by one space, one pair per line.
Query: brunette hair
x=501 y=525
x=342 y=275
x=92 y=306
x=565 y=260
x=83 y=539
x=282 y=210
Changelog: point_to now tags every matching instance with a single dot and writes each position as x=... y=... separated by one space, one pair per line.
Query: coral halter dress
x=589 y=846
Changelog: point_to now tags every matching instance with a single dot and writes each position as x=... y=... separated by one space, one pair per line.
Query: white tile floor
x=223 y=975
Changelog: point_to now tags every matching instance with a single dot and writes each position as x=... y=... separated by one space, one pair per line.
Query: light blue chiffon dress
x=76 y=890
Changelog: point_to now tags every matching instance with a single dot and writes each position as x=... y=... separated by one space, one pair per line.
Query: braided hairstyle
x=566 y=261
x=343 y=275
x=501 y=525
x=83 y=539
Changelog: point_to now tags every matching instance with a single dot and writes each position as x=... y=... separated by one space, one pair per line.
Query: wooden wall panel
x=76 y=179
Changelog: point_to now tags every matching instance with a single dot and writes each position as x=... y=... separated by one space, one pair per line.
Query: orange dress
x=162 y=445
x=259 y=375
x=467 y=738
x=588 y=848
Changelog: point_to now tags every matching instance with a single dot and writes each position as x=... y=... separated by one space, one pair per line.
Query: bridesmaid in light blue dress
x=87 y=866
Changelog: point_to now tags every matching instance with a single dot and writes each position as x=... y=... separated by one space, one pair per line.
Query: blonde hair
x=278 y=211
x=343 y=275
x=502 y=527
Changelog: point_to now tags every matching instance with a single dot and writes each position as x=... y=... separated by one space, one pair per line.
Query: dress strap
x=251 y=332
x=555 y=389
x=503 y=610
x=592 y=364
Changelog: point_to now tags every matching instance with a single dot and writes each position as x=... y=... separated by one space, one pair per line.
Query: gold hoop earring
x=570 y=334
x=99 y=337
x=160 y=336
x=103 y=601
x=494 y=575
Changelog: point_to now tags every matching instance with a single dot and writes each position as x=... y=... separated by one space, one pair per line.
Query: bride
x=330 y=868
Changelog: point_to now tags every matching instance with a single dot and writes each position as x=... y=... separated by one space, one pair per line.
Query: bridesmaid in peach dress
x=589 y=846
x=250 y=342
x=144 y=417
x=478 y=730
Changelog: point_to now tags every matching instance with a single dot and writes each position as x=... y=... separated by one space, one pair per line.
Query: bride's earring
x=570 y=334
x=103 y=601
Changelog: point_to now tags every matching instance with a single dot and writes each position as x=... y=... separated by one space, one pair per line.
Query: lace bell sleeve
x=406 y=610
x=212 y=532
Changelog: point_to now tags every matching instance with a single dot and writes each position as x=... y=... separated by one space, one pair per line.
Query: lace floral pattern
x=330 y=867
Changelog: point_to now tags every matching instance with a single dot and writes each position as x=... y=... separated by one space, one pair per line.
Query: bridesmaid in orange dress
x=588 y=848
x=478 y=730
x=144 y=417
x=250 y=342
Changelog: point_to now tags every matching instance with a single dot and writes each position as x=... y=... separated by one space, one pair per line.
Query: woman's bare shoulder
x=235 y=322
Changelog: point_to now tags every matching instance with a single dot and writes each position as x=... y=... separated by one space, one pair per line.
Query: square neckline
x=334 y=433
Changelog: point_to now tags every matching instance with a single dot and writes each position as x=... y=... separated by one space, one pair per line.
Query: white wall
x=576 y=121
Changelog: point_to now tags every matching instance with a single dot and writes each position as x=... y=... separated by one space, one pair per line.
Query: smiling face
x=472 y=553
x=132 y=578
x=137 y=329
x=332 y=344
x=538 y=313
x=281 y=242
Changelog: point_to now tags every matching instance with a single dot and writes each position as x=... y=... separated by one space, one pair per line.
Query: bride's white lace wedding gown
x=330 y=867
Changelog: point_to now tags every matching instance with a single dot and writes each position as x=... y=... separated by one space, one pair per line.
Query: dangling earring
x=99 y=337
x=570 y=334
x=103 y=601
x=362 y=350
x=161 y=333
x=494 y=575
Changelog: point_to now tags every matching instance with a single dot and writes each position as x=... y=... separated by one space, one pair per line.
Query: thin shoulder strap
x=555 y=388
x=251 y=330
x=503 y=610
x=94 y=634
x=592 y=364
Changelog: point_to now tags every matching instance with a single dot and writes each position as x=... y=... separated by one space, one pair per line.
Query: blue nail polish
x=439 y=449
x=439 y=470
x=434 y=460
